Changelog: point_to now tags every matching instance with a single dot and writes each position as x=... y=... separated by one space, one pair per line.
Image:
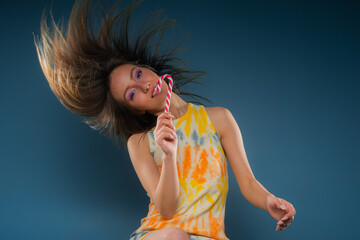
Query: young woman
x=180 y=157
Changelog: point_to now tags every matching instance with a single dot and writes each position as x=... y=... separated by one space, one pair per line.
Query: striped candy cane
x=168 y=96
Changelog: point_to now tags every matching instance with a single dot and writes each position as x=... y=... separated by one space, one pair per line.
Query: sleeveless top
x=203 y=178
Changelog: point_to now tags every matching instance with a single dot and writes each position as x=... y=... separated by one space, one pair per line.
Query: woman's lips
x=156 y=91
x=153 y=89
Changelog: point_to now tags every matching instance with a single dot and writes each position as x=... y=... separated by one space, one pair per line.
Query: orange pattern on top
x=201 y=168
x=203 y=179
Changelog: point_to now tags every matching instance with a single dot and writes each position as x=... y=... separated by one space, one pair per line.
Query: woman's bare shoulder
x=143 y=162
x=138 y=140
x=216 y=115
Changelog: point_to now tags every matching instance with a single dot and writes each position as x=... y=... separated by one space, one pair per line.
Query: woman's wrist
x=269 y=196
x=169 y=156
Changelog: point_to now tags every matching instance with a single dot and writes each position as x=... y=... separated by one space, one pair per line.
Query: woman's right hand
x=165 y=135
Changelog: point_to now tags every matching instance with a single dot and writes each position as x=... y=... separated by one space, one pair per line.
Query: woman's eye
x=131 y=95
x=138 y=74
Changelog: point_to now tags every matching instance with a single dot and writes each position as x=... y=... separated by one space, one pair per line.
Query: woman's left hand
x=281 y=210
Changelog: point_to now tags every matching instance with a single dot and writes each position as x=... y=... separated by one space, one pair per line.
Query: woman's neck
x=178 y=107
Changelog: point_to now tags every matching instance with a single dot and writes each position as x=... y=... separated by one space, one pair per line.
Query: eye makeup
x=131 y=95
x=138 y=74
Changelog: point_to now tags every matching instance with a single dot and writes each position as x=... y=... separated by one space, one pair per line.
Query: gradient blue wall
x=287 y=70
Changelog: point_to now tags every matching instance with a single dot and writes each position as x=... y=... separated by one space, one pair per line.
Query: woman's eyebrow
x=131 y=72
x=131 y=76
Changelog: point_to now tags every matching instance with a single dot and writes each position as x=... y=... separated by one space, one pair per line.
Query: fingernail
x=285 y=218
x=283 y=207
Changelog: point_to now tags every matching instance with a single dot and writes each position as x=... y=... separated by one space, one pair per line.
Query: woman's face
x=134 y=86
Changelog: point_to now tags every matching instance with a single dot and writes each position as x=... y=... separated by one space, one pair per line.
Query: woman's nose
x=144 y=86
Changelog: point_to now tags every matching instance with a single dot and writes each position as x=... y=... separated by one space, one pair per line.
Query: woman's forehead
x=119 y=78
x=122 y=69
x=121 y=74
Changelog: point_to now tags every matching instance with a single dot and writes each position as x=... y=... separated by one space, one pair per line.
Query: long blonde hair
x=77 y=63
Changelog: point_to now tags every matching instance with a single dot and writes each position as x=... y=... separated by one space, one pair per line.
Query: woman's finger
x=287 y=221
x=288 y=217
x=163 y=130
x=167 y=128
x=166 y=135
x=290 y=220
x=163 y=124
x=165 y=116
x=166 y=122
x=169 y=131
x=282 y=226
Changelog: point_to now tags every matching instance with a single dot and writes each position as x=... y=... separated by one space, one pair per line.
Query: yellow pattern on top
x=203 y=178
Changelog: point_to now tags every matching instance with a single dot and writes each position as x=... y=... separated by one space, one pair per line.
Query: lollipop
x=168 y=96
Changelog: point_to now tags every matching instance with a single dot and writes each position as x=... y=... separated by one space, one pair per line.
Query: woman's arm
x=163 y=188
x=252 y=190
x=167 y=191
x=232 y=143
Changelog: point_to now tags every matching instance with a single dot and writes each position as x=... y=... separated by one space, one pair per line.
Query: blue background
x=287 y=70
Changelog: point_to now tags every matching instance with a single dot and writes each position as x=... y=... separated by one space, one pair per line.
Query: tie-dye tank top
x=203 y=177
